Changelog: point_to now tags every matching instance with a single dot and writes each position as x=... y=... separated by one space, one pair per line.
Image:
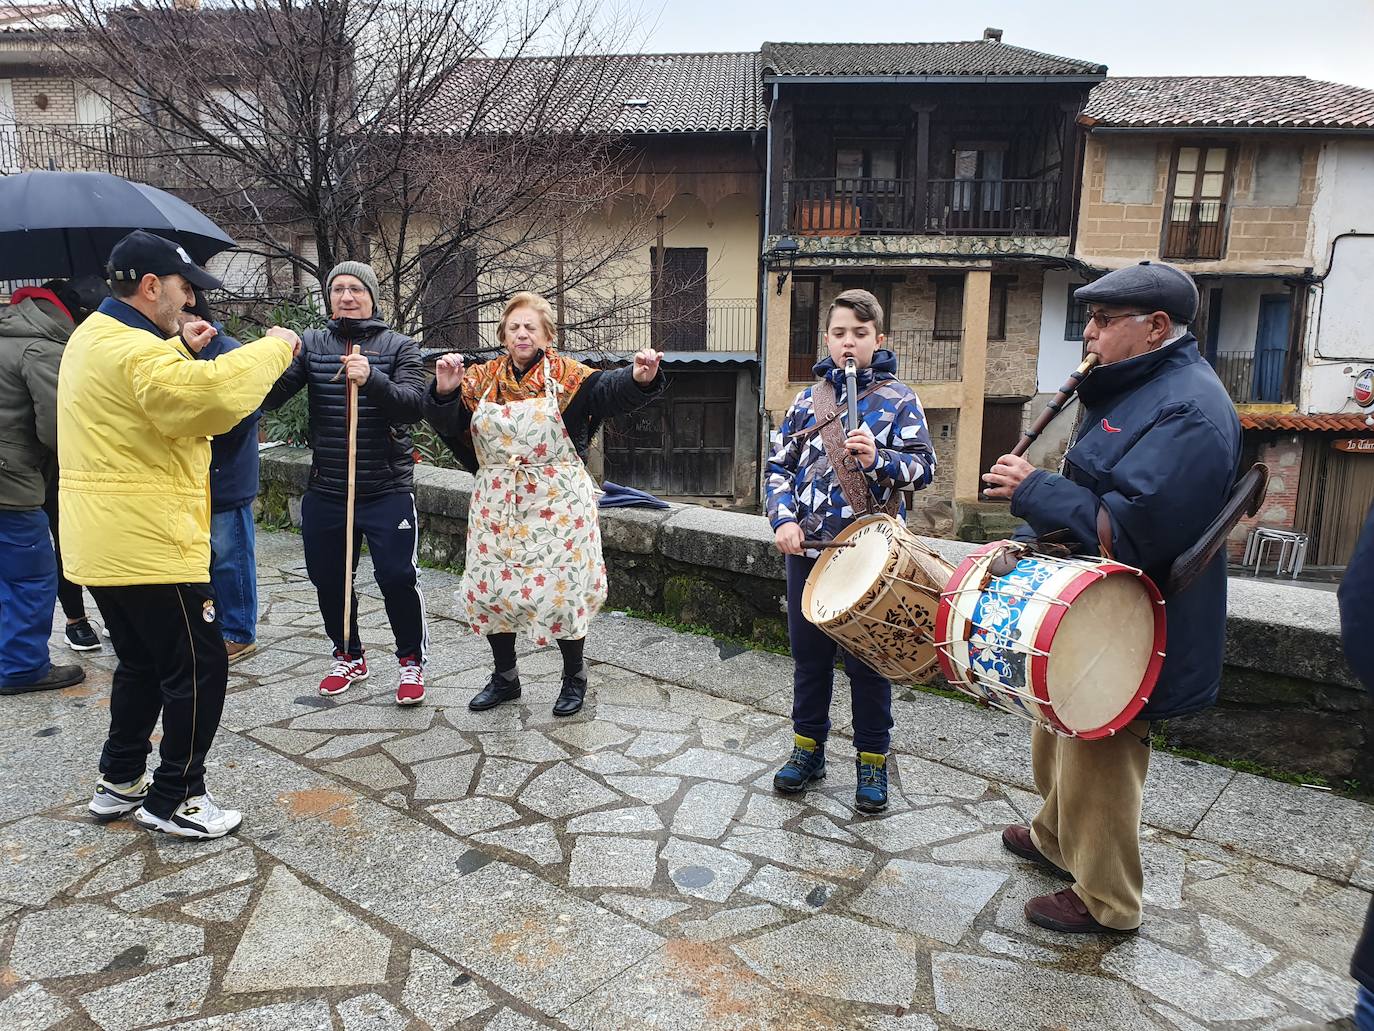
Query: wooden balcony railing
x=866 y=207
x=996 y=207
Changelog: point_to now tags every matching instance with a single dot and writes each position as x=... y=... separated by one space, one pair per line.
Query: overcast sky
x=1323 y=39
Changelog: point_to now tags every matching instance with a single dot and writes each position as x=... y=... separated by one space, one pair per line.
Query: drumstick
x=816 y=545
x=352 y=405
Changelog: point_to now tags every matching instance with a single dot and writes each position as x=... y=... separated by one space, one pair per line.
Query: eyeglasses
x=1104 y=320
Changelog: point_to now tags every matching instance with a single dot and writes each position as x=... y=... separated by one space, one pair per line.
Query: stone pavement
x=630 y=867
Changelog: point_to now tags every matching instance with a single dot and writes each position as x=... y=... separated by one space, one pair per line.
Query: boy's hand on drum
x=860 y=444
x=788 y=537
x=1006 y=475
x=448 y=374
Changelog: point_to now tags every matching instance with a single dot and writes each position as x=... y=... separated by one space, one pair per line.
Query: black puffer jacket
x=390 y=400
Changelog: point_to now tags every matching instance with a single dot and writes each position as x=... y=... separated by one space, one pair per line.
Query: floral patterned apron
x=534 y=545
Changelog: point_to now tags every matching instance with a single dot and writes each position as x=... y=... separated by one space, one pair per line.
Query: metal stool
x=1291 y=544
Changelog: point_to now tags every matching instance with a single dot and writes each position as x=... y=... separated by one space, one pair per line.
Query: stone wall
x=1288 y=699
x=1283 y=456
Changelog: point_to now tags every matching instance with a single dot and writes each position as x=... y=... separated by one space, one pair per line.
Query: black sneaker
x=502 y=687
x=81 y=636
x=58 y=677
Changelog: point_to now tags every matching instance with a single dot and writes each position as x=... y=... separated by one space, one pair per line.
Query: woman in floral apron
x=522 y=423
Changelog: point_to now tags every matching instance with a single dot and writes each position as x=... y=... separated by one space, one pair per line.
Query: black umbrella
x=65 y=223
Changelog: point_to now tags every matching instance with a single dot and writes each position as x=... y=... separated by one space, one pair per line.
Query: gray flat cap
x=1149 y=286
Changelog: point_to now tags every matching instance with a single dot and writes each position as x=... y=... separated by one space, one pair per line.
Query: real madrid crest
x=207 y=611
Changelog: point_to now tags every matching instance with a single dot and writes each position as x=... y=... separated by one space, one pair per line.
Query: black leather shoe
x=571 y=697
x=502 y=687
x=57 y=677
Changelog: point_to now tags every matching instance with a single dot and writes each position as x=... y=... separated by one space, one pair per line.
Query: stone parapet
x=1288 y=698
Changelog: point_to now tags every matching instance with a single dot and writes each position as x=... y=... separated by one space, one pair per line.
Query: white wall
x=1340 y=324
x=1240 y=313
x=1058 y=357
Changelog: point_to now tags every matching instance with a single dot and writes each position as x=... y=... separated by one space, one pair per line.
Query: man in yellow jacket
x=134 y=416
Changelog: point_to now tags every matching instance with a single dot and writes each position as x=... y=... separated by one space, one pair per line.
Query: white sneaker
x=113 y=800
x=198 y=817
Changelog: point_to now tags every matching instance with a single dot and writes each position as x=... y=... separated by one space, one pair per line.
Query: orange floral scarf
x=569 y=374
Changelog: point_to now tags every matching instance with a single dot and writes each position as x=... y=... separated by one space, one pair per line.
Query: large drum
x=876 y=593
x=1075 y=644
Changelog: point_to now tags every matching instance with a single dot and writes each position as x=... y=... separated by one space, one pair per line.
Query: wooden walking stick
x=352 y=409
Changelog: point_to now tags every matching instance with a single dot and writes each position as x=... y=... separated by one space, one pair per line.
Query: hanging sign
x=1364 y=388
x=1354 y=445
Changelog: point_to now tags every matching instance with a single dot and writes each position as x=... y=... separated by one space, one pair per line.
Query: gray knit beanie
x=358 y=270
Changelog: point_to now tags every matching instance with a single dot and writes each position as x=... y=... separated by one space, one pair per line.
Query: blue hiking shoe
x=807 y=764
x=871 y=794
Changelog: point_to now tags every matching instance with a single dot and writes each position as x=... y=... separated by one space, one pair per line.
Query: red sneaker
x=347 y=671
x=411 y=689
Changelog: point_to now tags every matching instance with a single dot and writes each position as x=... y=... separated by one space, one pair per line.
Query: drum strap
x=853 y=482
x=1104 y=531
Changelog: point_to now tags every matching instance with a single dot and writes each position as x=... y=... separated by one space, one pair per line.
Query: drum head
x=1100 y=652
x=849 y=572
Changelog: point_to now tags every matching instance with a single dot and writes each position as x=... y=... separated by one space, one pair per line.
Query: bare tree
x=466 y=148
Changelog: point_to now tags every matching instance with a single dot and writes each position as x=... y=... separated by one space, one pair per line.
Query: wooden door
x=1335 y=492
x=679 y=298
x=1271 y=348
x=804 y=339
x=682 y=445
x=1001 y=431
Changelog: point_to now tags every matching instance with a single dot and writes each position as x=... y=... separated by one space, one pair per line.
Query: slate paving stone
x=372 y=771
x=114 y=876
x=30 y=1008
x=221 y=871
x=798 y=850
x=791 y=889
x=562 y=791
x=633 y=820
x=440 y=994
x=432 y=744
x=292 y=742
x=939 y=902
x=1185 y=983
x=347 y=744
x=708 y=764
x=179 y=851
x=356 y=716
x=920 y=827
x=707 y=810
x=1231 y=948
x=910 y=1022
x=43 y=856
x=1318 y=833
x=814 y=956
x=1004 y=945
x=592 y=736
x=439 y=779
x=527 y=936
x=536 y=841
x=600 y=861
x=110 y=940
x=731 y=923
x=768 y=812
x=1179 y=792
x=284 y=1016
x=509 y=1020
x=221 y=907
x=637 y=718
x=502 y=778
x=605 y=764
x=527 y=747
x=1314 y=989
x=173 y=993
x=298 y=938
x=260 y=706
x=467 y=816
x=652 y=790
x=974 y=992
x=651 y=911
x=704 y=871
x=652 y=743
x=370 y=1012
x=821 y=827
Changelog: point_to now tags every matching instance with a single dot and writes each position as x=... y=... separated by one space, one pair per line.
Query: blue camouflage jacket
x=802 y=486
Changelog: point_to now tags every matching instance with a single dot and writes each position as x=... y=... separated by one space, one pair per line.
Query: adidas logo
x=404 y=524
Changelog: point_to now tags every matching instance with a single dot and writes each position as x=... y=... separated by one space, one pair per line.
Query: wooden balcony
x=959 y=207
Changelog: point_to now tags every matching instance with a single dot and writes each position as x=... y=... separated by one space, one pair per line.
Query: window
x=232 y=114
x=1198 y=192
x=867 y=159
x=449 y=305
x=92 y=106
x=679 y=298
x=949 y=307
x=879 y=288
x=1076 y=319
x=803 y=343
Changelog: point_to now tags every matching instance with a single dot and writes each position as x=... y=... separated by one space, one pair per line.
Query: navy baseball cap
x=142 y=253
x=1150 y=286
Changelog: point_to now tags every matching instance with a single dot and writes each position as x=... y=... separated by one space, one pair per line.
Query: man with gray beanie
x=390 y=378
x=1153 y=461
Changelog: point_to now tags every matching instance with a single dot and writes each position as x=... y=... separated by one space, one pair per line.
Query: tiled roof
x=1292 y=421
x=31 y=17
x=965 y=58
x=1230 y=101
x=621 y=93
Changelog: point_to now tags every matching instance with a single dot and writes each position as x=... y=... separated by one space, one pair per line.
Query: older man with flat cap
x=1155 y=454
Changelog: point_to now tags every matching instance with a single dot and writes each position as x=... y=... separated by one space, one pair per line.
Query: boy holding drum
x=891 y=452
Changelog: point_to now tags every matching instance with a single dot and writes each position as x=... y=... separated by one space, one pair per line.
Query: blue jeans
x=28 y=591
x=234 y=574
x=1364 y=1009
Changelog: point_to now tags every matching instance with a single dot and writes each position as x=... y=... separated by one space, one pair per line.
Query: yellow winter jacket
x=135 y=413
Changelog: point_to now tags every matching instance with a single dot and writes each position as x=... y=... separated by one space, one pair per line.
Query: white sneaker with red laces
x=346 y=672
x=411 y=689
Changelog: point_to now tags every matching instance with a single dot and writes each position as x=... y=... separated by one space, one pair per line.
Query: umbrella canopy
x=66 y=223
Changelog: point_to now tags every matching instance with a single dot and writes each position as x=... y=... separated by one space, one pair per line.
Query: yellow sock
x=805 y=742
x=873 y=758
